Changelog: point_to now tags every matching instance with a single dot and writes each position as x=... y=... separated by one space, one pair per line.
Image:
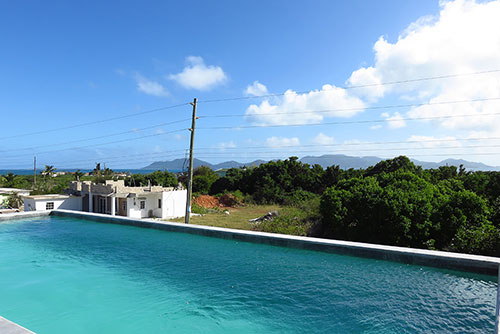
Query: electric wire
x=98 y=137
x=95 y=122
x=396 y=106
x=355 y=86
x=343 y=122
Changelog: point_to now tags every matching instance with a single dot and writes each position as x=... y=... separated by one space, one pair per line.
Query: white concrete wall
x=133 y=210
x=134 y=207
x=174 y=203
x=71 y=203
x=29 y=204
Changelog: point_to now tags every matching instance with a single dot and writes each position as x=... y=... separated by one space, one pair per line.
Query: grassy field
x=237 y=218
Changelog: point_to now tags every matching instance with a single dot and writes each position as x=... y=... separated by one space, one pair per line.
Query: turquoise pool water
x=63 y=275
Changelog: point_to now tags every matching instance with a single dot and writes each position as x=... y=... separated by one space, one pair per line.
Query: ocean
x=30 y=171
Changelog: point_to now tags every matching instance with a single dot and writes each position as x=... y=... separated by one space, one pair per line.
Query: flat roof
x=16 y=190
x=50 y=196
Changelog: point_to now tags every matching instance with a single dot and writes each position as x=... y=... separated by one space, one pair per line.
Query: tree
x=78 y=174
x=203 y=178
x=392 y=165
x=14 y=200
x=48 y=171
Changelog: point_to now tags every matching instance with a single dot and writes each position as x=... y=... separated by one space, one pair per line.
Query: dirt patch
x=207 y=202
x=211 y=202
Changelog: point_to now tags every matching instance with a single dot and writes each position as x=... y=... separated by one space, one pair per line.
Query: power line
x=278 y=125
x=354 y=109
x=100 y=144
x=94 y=122
x=356 y=86
x=360 y=143
x=140 y=157
x=98 y=137
x=360 y=149
x=344 y=122
x=204 y=149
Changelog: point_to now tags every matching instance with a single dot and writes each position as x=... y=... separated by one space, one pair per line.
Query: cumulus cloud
x=150 y=87
x=256 y=89
x=434 y=142
x=395 y=121
x=322 y=139
x=224 y=145
x=310 y=107
x=197 y=75
x=276 y=142
x=463 y=38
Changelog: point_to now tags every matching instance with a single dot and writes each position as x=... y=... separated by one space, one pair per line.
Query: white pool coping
x=8 y=327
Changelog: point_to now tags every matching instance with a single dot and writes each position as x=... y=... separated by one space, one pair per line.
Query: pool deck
x=8 y=327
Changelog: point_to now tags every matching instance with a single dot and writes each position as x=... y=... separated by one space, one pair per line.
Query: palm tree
x=49 y=170
x=14 y=200
x=78 y=174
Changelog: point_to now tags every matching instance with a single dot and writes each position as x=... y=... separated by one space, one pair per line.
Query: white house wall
x=134 y=209
x=71 y=203
x=174 y=203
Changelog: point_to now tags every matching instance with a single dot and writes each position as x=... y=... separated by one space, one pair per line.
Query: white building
x=115 y=198
x=5 y=192
x=50 y=202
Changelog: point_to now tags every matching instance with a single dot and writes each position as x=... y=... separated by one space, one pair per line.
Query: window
x=159 y=203
x=142 y=204
x=49 y=206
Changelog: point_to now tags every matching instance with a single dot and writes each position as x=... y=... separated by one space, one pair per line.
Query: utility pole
x=190 y=171
x=34 y=172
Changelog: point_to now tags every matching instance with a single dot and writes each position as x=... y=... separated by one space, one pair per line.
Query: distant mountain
x=344 y=161
x=469 y=165
x=181 y=164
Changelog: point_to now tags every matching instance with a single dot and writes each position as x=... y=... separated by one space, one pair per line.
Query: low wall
x=456 y=261
x=26 y=214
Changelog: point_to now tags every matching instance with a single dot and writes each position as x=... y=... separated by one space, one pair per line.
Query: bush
x=289 y=221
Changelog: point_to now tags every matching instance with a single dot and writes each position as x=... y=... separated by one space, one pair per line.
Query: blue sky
x=67 y=63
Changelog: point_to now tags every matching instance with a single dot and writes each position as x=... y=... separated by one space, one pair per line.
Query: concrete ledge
x=8 y=327
x=456 y=261
x=27 y=214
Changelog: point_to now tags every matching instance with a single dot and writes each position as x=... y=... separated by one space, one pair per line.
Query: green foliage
x=203 y=178
x=483 y=239
x=392 y=165
x=14 y=200
x=402 y=208
x=157 y=178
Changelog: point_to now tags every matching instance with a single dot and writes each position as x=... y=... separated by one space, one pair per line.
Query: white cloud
x=197 y=75
x=463 y=38
x=375 y=127
x=434 y=142
x=179 y=137
x=395 y=121
x=256 y=89
x=150 y=87
x=276 y=142
x=224 y=145
x=322 y=139
x=311 y=107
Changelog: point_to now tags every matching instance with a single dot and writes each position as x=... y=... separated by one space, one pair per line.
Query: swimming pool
x=65 y=275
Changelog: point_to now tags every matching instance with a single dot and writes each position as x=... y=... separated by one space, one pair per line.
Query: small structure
x=5 y=192
x=115 y=198
x=50 y=202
